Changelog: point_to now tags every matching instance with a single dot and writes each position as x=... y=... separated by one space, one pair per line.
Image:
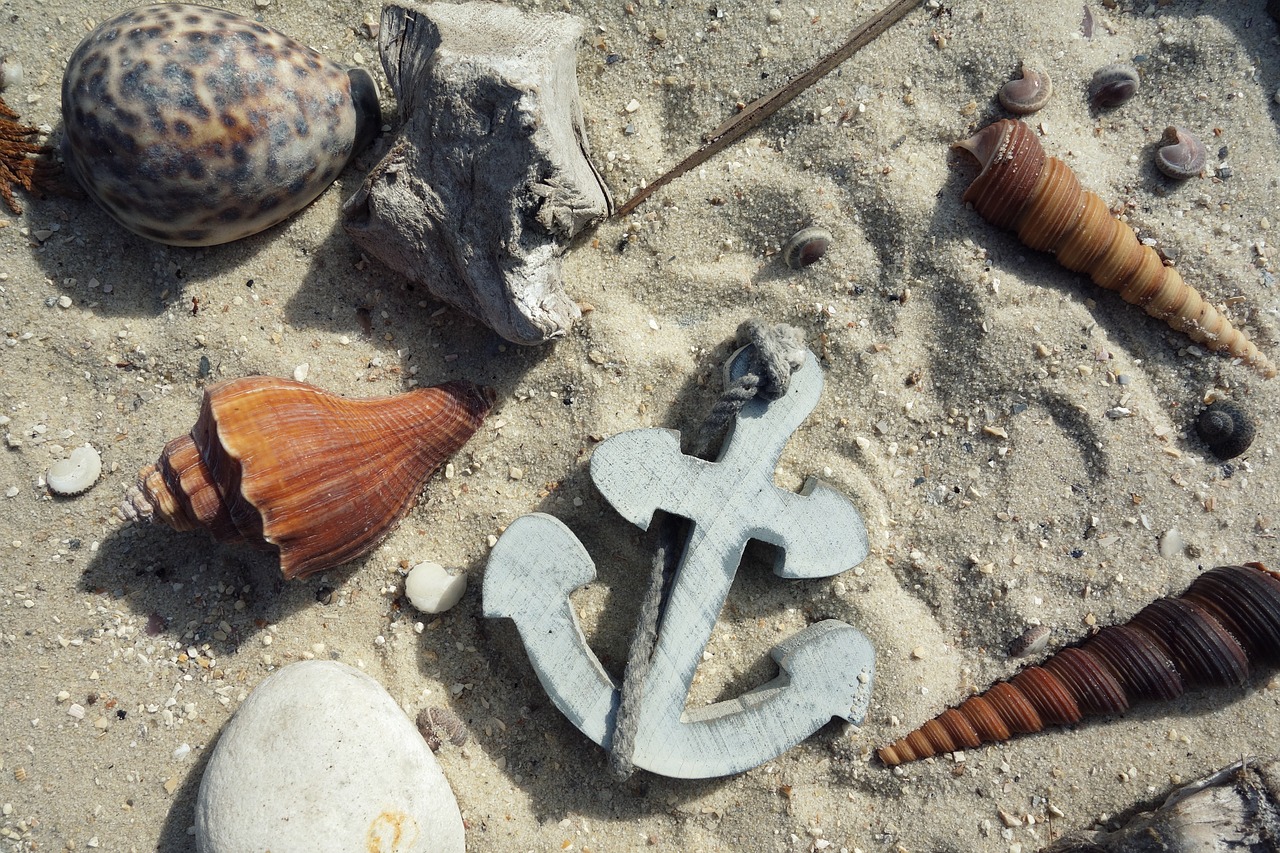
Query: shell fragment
x=77 y=473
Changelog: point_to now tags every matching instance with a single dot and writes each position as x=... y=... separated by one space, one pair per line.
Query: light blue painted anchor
x=826 y=669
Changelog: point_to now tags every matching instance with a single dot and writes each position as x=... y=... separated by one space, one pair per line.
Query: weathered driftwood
x=1237 y=808
x=489 y=176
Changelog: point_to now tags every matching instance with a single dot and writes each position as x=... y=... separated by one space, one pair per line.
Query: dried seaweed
x=17 y=156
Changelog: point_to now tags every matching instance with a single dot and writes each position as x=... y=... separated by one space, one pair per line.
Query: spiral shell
x=1226 y=622
x=1039 y=197
x=285 y=466
x=193 y=126
x=1226 y=429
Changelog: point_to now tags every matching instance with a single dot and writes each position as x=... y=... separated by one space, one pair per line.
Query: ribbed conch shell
x=1226 y=622
x=1040 y=198
x=286 y=466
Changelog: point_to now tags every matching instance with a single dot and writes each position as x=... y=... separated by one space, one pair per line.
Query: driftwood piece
x=489 y=176
x=1237 y=808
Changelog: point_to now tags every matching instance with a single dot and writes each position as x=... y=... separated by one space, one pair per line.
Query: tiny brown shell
x=1180 y=155
x=1030 y=642
x=1113 y=85
x=1027 y=94
x=435 y=722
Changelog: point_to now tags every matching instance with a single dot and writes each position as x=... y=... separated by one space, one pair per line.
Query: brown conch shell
x=1040 y=198
x=1226 y=622
x=286 y=466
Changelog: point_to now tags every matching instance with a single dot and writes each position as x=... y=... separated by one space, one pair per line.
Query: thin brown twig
x=760 y=109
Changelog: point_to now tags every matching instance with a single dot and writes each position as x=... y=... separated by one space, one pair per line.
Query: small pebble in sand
x=805 y=247
x=76 y=474
x=432 y=589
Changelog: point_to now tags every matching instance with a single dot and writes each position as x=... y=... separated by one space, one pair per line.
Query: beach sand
x=1017 y=440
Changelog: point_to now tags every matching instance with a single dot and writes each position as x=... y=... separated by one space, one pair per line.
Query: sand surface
x=970 y=413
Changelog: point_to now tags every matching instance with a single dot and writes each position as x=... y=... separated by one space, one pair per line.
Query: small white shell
x=433 y=589
x=76 y=474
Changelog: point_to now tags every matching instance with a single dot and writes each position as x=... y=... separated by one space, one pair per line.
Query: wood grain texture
x=488 y=178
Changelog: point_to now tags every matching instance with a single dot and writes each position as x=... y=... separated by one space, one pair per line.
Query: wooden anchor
x=826 y=669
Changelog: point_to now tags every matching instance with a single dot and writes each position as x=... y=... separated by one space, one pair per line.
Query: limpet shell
x=438 y=722
x=805 y=247
x=75 y=474
x=1180 y=155
x=1113 y=85
x=193 y=126
x=1027 y=94
x=1226 y=429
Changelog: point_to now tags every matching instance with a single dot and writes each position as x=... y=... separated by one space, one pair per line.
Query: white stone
x=320 y=759
x=433 y=589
